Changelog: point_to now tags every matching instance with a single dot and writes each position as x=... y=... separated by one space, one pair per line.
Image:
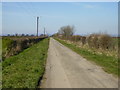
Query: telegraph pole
x=37 y=25
x=44 y=31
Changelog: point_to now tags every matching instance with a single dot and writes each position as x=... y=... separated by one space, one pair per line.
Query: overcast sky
x=87 y=17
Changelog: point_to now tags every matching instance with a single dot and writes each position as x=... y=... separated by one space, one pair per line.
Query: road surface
x=67 y=69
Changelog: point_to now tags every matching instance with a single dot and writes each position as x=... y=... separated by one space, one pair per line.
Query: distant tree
x=67 y=31
x=32 y=35
x=23 y=35
x=8 y=35
x=16 y=34
x=27 y=35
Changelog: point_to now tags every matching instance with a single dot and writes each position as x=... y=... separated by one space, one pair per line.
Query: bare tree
x=66 y=31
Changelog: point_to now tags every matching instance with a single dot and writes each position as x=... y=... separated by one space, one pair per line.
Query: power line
x=34 y=9
x=27 y=10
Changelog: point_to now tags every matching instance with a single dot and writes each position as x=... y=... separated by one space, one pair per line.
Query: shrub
x=75 y=38
x=89 y=41
x=105 y=41
x=83 y=40
x=93 y=41
x=15 y=45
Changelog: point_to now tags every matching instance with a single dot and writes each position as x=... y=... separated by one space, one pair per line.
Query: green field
x=108 y=63
x=25 y=69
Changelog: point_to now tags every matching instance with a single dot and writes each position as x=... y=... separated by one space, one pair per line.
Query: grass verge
x=108 y=63
x=25 y=69
x=6 y=42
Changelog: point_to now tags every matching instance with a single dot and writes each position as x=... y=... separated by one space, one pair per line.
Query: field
x=25 y=69
x=108 y=63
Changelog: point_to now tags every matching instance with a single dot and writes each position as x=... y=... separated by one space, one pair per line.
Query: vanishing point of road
x=67 y=69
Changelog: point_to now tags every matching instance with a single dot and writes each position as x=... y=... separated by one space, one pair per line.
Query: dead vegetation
x=98 y=42
x=101 y=41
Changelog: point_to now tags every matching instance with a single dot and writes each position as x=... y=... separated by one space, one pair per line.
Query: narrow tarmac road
x=67 y=69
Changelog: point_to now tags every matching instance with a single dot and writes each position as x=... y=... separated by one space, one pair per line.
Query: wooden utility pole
x=37 y=25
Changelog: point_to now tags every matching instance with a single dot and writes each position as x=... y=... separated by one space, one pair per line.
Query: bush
x=15 y=45
x=83 y=40
x=75 y=38
x=93 y=41
x=89 y=41
x=103 y=41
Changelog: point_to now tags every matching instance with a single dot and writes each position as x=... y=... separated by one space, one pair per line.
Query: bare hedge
x=98 y=41
x=103 y=41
